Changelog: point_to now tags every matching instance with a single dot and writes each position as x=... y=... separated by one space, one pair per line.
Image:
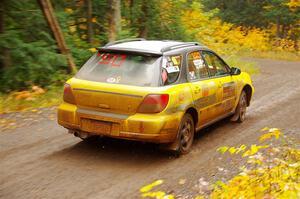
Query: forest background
x=31 y=61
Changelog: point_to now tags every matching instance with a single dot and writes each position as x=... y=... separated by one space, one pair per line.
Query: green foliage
x=257 y=13
x=249 y=13
x=280 y=15
x=33 y=57
x=78 y=46
x=160 y=19
x=29 y=54
x=32 y=63
x=279 y=11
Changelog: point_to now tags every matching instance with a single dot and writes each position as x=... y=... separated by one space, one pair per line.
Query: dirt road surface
x=40 y=160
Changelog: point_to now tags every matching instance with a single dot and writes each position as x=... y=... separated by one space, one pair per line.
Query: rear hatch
x=106 y=97
x=115 y=83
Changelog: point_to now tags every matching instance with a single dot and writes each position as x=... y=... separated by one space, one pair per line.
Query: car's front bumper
x=157 y=128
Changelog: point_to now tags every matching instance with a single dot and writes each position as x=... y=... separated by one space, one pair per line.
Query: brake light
x=68 y=94
x=154 y=103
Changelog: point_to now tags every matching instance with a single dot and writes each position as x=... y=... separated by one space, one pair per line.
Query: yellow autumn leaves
x=227 y=38
x=270 y=176
x=148 y=193
x=272 y=132
x=273 y=174
x=253 y=149
x=278 y=181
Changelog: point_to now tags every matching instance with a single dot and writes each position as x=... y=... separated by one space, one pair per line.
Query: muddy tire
x=240 y=112
x=185 y=135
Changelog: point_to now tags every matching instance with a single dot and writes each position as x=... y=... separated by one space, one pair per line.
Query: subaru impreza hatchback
x=153 y=91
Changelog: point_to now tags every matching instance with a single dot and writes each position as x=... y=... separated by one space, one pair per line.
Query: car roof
x=147 y=46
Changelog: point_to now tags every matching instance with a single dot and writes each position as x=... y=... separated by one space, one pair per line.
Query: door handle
x=104 y=106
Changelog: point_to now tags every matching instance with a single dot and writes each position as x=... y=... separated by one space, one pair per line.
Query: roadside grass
x=246 y=66
x=51 y=96
x=14 y=102
x=275 y=55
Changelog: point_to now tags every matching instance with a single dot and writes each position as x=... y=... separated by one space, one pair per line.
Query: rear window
x=117 y=68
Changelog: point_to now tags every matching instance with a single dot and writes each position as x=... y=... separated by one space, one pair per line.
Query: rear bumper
x=157 y=128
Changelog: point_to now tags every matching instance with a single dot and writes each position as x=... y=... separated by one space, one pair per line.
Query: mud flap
x=171 y=147
x=236 y=114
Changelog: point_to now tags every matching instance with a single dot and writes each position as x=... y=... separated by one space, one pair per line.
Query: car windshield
x=121 y=68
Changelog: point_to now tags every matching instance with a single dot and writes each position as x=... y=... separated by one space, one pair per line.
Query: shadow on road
x=111 y=152
x=115 y=151
x=211 y=131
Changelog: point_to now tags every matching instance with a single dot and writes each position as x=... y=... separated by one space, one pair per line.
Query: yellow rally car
x=154 y=91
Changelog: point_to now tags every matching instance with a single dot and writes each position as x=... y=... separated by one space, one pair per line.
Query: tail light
x=68 y=94
x=154 y=103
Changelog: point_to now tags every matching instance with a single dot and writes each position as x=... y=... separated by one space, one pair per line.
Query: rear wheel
x=185 y=135
x=240 y=112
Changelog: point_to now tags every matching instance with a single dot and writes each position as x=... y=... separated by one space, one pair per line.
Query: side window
x=171 y=67
x=196 y=66
x=215 y=65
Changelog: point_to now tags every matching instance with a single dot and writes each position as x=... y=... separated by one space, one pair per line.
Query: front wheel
x=240 y=112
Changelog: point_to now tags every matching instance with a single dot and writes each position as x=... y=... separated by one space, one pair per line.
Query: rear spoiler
x=129 y=51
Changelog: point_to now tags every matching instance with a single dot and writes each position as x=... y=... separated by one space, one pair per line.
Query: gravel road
x=40 y=160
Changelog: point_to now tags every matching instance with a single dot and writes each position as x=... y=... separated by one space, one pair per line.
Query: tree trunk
x=130 y=12
x=114 y=19
x=296 y=44
x=278 y=27
x=5 y=62
x=48 y=12
x=89 y=16
x=2 y=8
x=284 y=32
x=143 y=30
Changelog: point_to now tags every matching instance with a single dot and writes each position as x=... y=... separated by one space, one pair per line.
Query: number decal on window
x=106 y=58
x=118 y=62
x=115 y=60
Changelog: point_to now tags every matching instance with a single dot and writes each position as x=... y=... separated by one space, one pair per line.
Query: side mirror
x=235 y=71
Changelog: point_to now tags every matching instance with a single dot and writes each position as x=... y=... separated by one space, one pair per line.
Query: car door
x=220 y=73
x=204 y=90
